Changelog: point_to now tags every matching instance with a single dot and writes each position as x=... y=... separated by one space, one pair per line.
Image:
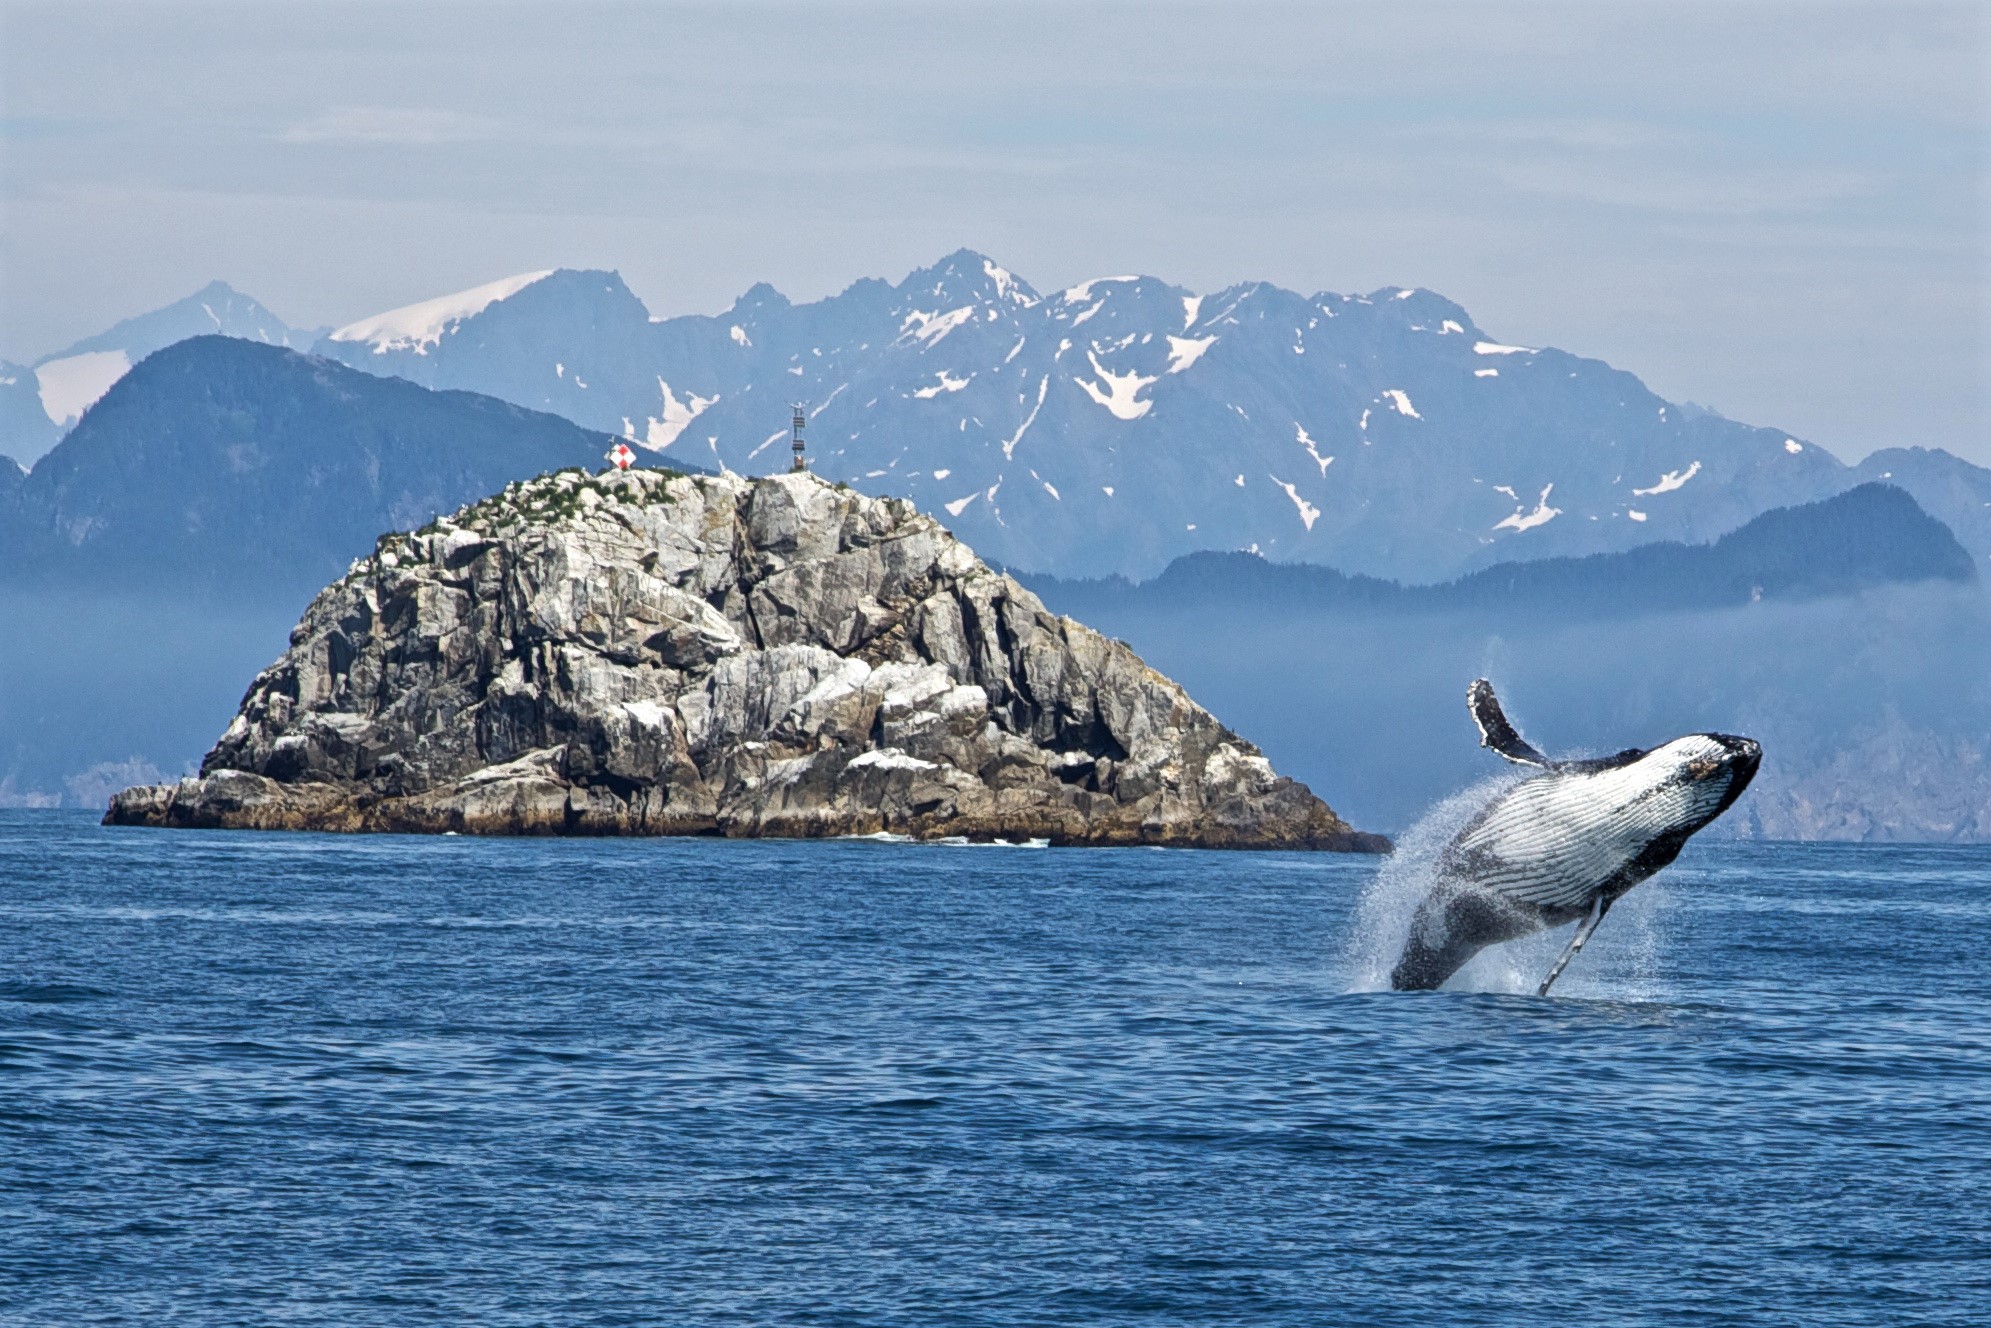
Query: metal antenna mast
x=801 y=461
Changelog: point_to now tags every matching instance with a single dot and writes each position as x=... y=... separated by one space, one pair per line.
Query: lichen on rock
x=652 y=653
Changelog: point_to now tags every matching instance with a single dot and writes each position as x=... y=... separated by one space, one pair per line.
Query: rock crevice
x=649 y=653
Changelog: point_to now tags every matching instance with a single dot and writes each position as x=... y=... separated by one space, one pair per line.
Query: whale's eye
x=1698 y=770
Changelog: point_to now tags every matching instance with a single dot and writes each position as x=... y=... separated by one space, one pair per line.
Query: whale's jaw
x=1745 y=758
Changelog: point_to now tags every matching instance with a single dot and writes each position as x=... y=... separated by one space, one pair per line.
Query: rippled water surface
x=267 y=1079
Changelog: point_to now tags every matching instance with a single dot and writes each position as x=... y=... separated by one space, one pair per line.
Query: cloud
x=392 y=126
x=1597 y=135
x=1705 y=191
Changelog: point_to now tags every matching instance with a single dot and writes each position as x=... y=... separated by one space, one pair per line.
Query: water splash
x=1621 y=962
x=1382 y=918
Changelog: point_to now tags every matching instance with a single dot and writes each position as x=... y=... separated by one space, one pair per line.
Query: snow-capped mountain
x=1117 y=424
x=515 y=339
x=38 y=405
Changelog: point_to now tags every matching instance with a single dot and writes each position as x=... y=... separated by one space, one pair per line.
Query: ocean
x=264 y=1079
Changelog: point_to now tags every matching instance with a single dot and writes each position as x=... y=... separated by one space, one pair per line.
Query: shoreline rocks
x=646 y=653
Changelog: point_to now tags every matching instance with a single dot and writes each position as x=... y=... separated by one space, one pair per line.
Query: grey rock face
x=650 y=653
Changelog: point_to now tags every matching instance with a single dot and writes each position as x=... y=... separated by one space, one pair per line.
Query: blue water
x=261 y=1079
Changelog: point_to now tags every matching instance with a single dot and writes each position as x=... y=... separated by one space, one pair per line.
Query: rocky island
x=648 y=653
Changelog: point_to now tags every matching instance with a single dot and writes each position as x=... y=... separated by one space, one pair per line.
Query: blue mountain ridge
x=216 y=309
x=40 y=403
x=1123 y=422
x=223 y=463
x=1870 y=536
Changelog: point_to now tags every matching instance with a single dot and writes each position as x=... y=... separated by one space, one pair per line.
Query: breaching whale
x=1565 y=844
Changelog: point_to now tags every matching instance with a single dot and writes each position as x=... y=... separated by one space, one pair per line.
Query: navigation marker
x=622 y=456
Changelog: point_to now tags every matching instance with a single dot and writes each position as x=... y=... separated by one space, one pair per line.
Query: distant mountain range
x=1110 y=427
x=41 y=402
x=1120 y=423
x=226 y=464
x=1871 y=536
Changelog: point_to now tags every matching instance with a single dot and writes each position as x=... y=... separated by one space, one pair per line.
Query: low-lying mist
x=1874 y=709
x=101 y=691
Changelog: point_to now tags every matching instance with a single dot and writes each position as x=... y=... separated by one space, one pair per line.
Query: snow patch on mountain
x=1541 y=516
x=1670 y=481
x=677 y=416
x=417 y=327
x=1401 y=400
x=947 y=383
x=1308 y=512
x=1495 y=348
x=1082 y=292
x=1006 y=285
x=1313 y=451
x=1119 y=393
x=929 y=329
x=1185 y=351
x=1009 y=447
x=70 y=386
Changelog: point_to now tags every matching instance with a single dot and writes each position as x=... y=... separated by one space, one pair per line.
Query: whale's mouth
x=1742 y=757
x=1743 y=753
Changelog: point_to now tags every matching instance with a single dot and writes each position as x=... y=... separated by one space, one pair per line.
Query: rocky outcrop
x=651 y=653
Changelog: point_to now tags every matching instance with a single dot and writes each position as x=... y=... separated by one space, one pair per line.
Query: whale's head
x=1700 y=776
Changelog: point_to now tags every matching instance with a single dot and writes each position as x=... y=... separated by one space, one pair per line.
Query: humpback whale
x=1563 y=845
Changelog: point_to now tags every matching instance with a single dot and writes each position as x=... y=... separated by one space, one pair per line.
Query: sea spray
x=1382 y=919
x=1620 y=962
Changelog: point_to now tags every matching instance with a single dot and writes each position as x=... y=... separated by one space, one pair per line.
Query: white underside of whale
x=1553 y=841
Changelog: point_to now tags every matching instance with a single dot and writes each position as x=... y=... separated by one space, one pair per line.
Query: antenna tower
x=801 y=461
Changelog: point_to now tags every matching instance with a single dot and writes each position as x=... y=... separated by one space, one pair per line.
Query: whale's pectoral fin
x=1583 y=930
x=1494 y=730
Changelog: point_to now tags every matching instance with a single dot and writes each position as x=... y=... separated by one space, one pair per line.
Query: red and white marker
x=622 y=456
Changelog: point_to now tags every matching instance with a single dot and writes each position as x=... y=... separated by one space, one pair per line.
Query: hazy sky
x=1778 y=210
